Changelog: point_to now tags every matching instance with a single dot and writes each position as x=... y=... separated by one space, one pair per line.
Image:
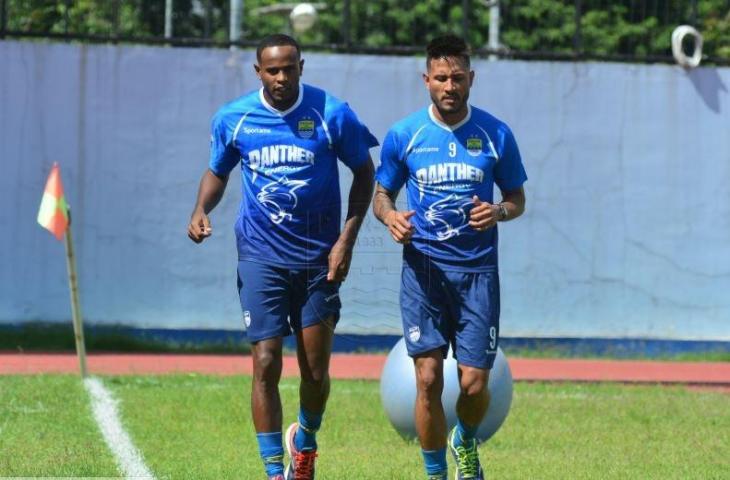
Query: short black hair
x=276 y=40
x=447 y=46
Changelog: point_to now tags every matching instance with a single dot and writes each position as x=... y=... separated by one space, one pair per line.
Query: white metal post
x=235 y=21
x=168 y=18
x=493 y=28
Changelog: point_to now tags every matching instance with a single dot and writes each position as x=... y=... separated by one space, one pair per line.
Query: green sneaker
x=467 y=459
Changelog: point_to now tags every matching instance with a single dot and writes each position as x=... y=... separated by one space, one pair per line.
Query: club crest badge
x=305 y=127
x=474 y=146
x=414 y=334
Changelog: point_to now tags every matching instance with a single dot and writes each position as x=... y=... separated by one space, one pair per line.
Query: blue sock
x=435 y=461
x=305 y=438
x=272 y=452
x=464 y=432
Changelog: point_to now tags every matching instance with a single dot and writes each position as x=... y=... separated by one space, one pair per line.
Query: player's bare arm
x=361 y=192
x=485 y=215
x=514 y=203
x=210 y=193
x=398 y=222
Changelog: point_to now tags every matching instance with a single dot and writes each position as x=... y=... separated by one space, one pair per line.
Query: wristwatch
x=502 y=212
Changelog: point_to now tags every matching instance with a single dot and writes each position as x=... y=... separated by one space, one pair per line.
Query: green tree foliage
x=538 y=25
x=715 y=26
x=131 y=18
x=624 y=27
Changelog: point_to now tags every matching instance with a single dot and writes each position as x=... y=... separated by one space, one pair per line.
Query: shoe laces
x=304 y=463
x=467 y=458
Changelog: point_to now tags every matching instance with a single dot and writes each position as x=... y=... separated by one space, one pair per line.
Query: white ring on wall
x=678 y=37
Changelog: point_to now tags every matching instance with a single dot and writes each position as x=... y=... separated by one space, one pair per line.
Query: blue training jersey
x=443 y=167
x=290 y=207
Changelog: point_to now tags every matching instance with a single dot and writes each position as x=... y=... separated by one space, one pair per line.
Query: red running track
x=369 y=367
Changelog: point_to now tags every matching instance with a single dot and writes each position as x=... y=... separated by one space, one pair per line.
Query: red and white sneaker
x=301 y=466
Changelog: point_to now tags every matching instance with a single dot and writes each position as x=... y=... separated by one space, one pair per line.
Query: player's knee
x=473 y=381
x=316 y=378
x=430 y=380
x=267 y=365
x=315 y=369
x=474 y=389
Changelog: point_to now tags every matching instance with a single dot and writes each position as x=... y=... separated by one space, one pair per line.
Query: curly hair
x=447 y=46
x=276 y=40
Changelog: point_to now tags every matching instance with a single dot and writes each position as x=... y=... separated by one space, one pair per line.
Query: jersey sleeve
x=393 y=171
x=223 y=155
x=354 y=140
x=509 y=173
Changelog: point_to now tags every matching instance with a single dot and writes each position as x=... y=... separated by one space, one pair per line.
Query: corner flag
x=54 y=217
x=53 y=213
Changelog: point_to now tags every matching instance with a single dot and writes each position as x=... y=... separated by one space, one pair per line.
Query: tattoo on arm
x=384 y=202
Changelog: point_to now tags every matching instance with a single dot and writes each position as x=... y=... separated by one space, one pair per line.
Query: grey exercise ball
x=398 y=392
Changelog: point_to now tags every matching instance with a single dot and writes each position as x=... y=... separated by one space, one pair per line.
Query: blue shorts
x=441 y=308
x=276 y=301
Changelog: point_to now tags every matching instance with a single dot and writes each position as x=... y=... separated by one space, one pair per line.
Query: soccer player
x=287 y=137
x=449 y=155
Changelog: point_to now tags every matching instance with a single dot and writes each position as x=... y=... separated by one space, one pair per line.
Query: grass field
x=199 y=427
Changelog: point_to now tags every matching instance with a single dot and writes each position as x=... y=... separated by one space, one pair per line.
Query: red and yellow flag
x=53 y=214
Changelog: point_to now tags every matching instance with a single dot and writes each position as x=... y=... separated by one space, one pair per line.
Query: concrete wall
x=627 y=231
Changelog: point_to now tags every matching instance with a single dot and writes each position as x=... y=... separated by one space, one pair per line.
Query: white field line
x=104 y=406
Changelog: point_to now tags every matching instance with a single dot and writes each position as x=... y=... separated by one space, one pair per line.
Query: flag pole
x=75 y=306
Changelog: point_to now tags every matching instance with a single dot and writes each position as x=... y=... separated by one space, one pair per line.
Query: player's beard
x=284 y=97
x=454 y=108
